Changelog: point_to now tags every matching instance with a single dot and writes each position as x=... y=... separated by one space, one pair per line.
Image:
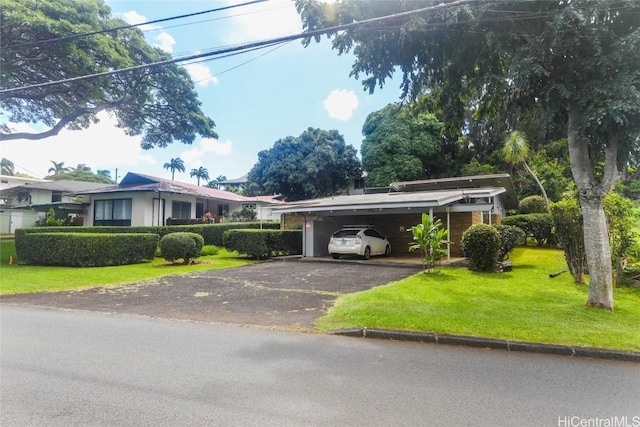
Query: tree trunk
x=544 y=193
x=592 y=193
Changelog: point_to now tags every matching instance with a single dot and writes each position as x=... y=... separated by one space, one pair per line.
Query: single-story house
x=23 y=205
x=143 y=200
x=458 y=202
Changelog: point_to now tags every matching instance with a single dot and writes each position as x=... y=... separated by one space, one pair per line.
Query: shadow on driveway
x=282 y=294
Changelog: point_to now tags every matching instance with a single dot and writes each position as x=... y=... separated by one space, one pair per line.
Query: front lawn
x=16 y=279
x=521 y=305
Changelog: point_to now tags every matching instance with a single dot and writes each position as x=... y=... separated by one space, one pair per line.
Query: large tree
x=200 y=173
x=400 y=146
x=578 y=59
x=38 y=44
x=317 y=163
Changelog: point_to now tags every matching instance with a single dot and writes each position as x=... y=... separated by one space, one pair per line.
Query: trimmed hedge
x=539 y=226
x=481 y=244
x=263 y=243
x=212 y=233
x=85 y=249
x=185 y=246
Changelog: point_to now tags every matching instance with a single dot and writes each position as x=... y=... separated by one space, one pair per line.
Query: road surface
x=80 y=368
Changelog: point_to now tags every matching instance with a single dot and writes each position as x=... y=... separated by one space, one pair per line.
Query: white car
x=358 y=240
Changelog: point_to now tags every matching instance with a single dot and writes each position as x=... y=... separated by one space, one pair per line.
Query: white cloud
x=163 y=40
x=340 y=104
x=204 y=153
x=101 y=146
x=263 y=21
x=201 y=74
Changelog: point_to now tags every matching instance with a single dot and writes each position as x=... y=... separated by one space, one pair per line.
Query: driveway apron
x=282 y=294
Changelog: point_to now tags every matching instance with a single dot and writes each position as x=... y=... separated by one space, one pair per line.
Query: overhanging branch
x=64 y=121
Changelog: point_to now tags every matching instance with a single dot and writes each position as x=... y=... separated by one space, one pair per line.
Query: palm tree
x=175 y=165
x=200 y=173
x=57 y=168
x=516 y=150
x=7 y=167
x=104 y=172
x=215 y=183
x=83 y=167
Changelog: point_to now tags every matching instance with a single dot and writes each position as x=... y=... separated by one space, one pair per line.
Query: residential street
x=78 y=368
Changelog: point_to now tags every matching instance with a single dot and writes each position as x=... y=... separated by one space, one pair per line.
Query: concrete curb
x=468 y=341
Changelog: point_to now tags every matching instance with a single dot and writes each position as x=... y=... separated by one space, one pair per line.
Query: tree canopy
x=578 y=61
x=400 y=146
x=159 y=103
x=315 y=164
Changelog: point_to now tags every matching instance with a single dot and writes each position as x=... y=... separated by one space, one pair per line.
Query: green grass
x=521 y=305
x=16 y=279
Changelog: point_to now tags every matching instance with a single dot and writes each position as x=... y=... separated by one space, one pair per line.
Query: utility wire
x=246 y=46
x=107 y=30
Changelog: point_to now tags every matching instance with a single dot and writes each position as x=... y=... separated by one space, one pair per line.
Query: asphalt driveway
x=282 y=294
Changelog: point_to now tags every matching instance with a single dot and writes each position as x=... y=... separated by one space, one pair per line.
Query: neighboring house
x=237 y=183
x=457 y=202
x=27 y=203
x=8 y=181
x=143 y=200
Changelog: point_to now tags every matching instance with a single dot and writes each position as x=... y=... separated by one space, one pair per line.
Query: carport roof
x=394 y=200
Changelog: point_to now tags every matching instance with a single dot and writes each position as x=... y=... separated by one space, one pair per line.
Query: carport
x=457 y=202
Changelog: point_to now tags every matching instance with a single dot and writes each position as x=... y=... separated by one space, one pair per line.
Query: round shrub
x=511 y=237
x=481 y=244
x=181 y=245
x=532 y=204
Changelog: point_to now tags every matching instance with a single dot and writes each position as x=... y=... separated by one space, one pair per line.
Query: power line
x=252 y=45
x=107 y=30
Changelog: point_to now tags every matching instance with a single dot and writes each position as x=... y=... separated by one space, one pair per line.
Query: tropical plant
x=428 y=238
x=481 y=244
x=515 y=151
x=7 y=167
x=174 y=165
x=200 y=173
x=58 y=168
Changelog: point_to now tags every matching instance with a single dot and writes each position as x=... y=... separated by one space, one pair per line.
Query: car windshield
x=345 y=233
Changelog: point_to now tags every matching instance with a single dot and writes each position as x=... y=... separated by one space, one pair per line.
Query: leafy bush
x=84 y=249
x=183 y=245
x=481 y=244
x=209 y=250
x=539 y=226
x=567 y=218
x=246 y=214
x=262 y=244
x=511 y=237
x=532 y=204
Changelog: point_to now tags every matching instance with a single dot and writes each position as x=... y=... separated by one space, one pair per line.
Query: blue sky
x=278 y=93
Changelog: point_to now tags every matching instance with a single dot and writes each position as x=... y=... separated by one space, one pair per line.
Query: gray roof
x=145 y=183
x=63 y=185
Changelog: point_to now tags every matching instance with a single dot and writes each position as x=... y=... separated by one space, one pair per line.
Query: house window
x=181 y=210
x=249 y=206
x=112 y=212
x=199 y=210
x=358 y=184
x=56 y=197
x=223 y=210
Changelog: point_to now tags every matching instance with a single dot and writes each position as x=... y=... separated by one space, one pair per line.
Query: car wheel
x=367 y=252
x=387 y=251
x=335 y=256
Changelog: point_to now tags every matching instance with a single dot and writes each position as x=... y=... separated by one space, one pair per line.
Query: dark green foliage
x=481 y=244
x=567 y=219
x=85 y=249
x=539 y=226
x=511 y=237
x=246 y=214
x=532 y=204
x=315 y=164
x=400 y=145
x=184 y=246
x=262 y=244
